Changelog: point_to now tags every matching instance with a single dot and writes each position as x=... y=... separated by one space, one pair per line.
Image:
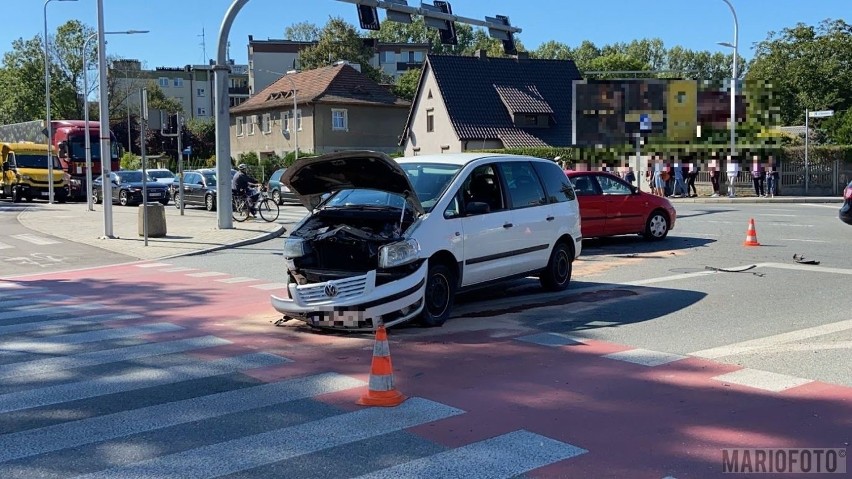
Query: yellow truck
x=25 y=173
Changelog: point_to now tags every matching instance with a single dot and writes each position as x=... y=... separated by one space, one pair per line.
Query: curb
x=257 y=239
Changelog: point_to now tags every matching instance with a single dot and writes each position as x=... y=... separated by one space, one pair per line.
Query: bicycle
x=267 y=208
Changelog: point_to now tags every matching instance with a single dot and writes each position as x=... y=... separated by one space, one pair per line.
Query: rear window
x=556 y=184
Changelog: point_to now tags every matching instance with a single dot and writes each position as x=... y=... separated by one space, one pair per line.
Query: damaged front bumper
x=355 y=303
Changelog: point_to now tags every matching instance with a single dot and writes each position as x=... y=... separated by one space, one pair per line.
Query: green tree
x=553 y=50
x=302 y=32
x=406 y=84
x=808 y=67
x=202 y=137
x=339 y=40
x=616 y=62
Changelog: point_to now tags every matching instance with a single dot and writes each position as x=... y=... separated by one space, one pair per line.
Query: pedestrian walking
x=679 y=189
x=758 y=178
x=657 y=183
x=772 y=176
x=629 y=176
x=733 y=171
x=714 y=179
x=690 y=180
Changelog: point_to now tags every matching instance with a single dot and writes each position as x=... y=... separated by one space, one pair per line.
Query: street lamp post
x=86 y=111
x=47 y=101
x=734 y=46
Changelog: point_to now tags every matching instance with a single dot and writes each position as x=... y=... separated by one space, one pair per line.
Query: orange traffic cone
x=381 y=391
x=751 y=235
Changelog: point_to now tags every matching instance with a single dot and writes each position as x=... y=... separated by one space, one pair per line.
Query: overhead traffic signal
x=368 y=16
x=504 y=36
x=448 y=34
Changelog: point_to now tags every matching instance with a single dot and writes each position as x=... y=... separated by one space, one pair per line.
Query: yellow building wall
x=682 y=106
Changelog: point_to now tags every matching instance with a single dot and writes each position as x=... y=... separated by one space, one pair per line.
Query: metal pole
x=223 y=120
x=734 y=84
x=88 y=141
x=180 y=160
x=47 y=99
x=106 y=154
x=144 y=175
x=807 y=136
x=638 y=162
x=127 y=100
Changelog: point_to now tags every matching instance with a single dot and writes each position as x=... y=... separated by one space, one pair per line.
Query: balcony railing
x=238 y=90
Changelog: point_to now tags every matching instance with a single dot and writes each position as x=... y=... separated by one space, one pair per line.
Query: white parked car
x=393 y=240
x=162 y=175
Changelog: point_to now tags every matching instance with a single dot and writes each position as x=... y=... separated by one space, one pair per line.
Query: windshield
x=429 y=180
x=363 y=197
x=161 y=174
x=34 y=160
x=133 y=177
x=210 y=179
x=77 y=149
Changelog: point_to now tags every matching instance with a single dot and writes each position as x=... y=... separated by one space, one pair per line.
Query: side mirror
x=476 y=208
x=63 y=148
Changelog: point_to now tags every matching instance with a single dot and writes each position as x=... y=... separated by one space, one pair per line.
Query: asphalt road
x=663 y=296
x=23 y=251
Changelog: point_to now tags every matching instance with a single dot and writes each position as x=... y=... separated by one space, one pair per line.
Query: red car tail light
x=847 y=193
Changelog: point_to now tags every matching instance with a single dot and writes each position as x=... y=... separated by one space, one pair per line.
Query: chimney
x=481 y=54
x=522 y=56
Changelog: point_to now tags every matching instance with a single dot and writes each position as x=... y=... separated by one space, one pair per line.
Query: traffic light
x=368 y=16
x=448 y=35
x=507 y=38
x=170 y=124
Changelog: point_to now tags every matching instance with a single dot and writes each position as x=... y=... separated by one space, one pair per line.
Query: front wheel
x=438 y=298
x=97 y=197
x=657 y=226
x=557 y=274
x=276 y=197
x=123 y=198
x=177 y=200
x=268 y=210
x=209 y=202
x=241 y=211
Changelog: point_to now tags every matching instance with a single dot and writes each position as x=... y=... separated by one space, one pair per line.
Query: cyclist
x=241 y=183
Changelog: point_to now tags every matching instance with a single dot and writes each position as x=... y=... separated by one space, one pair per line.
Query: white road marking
x=804 y=240
x=762 y=380
x=206 y=274
x=63 y=323
x=806 y=267
x=645 y=357
x=152 y=265
x=35 y=239
x=773 y=341
x=57 y=344
x=179 y=269
x=5 y=246
x=505 y=456
x=238 y=279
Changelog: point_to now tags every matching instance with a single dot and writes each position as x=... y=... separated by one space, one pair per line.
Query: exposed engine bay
x=341 y=243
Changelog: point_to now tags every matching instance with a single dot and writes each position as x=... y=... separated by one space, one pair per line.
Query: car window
x=276 y=176
x=190 y=178
x=556 y=184
x=429 y=180
x=210 y=179
x=161 y=174
x=483 y=186
x=523 y=184
x=453 y=209
x=585 y=185
x=613 y=186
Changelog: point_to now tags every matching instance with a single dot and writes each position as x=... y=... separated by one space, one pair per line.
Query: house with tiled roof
x=475 y=103
x=337 y=108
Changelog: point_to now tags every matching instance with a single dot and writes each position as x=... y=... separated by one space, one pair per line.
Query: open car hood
x=311 y=178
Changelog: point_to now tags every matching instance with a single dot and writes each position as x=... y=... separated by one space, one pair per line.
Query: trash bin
x=156 y=216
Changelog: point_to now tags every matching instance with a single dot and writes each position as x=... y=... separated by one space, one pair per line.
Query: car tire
x=556 y=276
x=209 y=202
x=657 y=226
x=97 y=197
x=276 y=197
x=123 y=198
x=164 y=202
x=177 y=200
x=439 y=295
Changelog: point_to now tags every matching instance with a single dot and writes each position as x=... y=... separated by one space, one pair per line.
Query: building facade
x=269 y=59
x=337 y=108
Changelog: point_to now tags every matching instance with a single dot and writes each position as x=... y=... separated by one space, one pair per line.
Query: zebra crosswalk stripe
x=138 y=379
x=237 y=279
x=122 y=424
x=63 y=323
x=49 y=311
x=503 y=456
x=95 y=358
x=152 y=265
x=15 y=303
x=281 y=444
x=5 y=246
x=57 y=344
x=35 y=239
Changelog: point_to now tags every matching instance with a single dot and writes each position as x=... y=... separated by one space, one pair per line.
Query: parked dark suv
x=199 y=189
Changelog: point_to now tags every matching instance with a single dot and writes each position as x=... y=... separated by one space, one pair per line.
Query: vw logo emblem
x=330 y=290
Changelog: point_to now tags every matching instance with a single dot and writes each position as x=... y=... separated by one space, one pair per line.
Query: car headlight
x=137 y=190
x=294 y=248
x=398 y=254
x=73 y=182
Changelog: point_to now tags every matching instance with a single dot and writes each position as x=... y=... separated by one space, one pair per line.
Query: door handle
x=508 y=225
x=550 y=218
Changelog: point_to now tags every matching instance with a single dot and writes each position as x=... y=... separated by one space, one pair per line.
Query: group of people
x=665 y=178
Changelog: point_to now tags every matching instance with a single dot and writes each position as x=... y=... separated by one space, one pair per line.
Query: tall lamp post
x=86 y=111
x=47 y=100
x=734 y=46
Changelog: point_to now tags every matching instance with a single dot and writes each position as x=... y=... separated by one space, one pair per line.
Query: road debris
x=744 y=269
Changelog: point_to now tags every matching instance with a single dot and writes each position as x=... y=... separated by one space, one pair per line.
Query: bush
x=129 y=161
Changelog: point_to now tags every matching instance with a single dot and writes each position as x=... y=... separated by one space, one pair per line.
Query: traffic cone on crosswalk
x=751 y=235
x=381 y=391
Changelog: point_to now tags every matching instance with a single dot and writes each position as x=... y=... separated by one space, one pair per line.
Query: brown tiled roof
x=340 y=84
x=482 y=94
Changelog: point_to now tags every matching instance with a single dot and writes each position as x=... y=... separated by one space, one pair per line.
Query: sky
x=176 y=26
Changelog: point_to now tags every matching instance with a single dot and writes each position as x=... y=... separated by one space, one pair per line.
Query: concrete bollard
x=156 y=216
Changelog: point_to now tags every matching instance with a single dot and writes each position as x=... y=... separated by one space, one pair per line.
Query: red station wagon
x=610 y=206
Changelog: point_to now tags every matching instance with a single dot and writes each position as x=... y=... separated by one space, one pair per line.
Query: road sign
x=187 y=151
x=645 y=122
x=821 y=113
